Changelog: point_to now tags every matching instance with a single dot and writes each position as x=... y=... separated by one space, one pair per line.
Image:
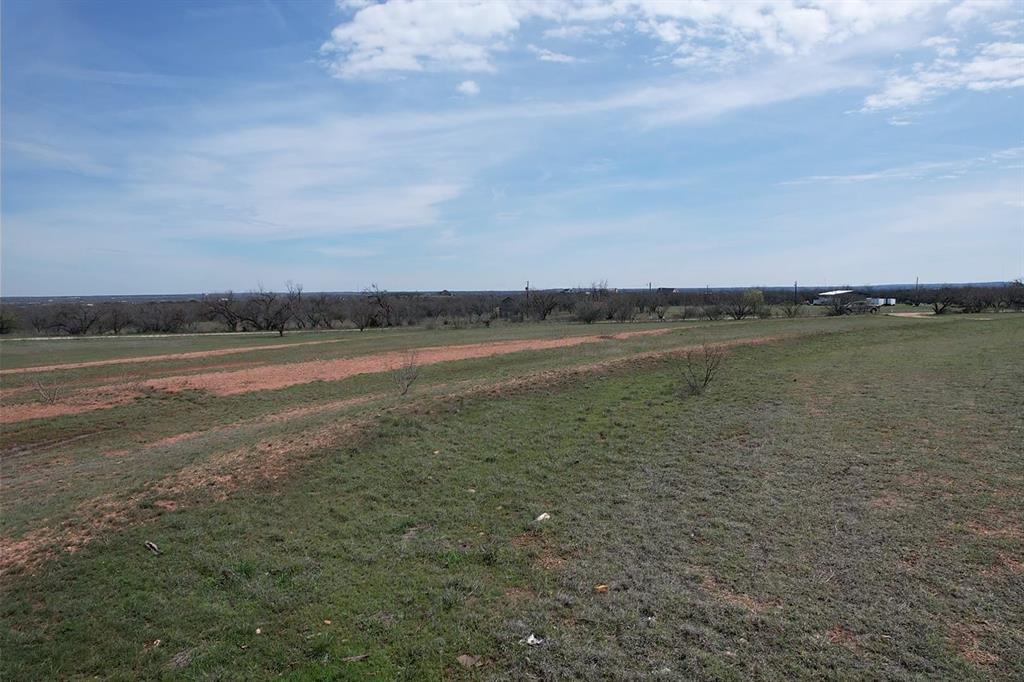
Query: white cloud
x=465 y=35
x=414 y=36
x=971 y=10
x=995 y=66
x=546 y=55
x=468 y=88
x=945 y=47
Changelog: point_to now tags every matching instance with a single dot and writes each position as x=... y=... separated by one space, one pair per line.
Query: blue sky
x=188 y=147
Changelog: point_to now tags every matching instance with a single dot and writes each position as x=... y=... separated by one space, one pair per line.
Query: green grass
x=847 y=503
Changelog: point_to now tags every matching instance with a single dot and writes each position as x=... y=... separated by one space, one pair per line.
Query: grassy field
x=846 y=501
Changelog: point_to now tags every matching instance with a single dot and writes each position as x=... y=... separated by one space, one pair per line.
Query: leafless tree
x=540 y=304
x=599 y=290
x=271 y=311
x=405 y=373
x=700 y=367
x=318 y=311
x=383 y=303
x=362 y=312
x=226 y=308
x=78 y=319
x=942 y=299
x=41 y=319
x=622 y=308
x=162 y=317
x=115 y=317
x=741 y=304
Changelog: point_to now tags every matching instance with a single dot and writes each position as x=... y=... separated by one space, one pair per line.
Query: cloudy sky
x=186 y=147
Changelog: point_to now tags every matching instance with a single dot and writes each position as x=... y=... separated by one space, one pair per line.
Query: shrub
x=700 y=367
x=588 y=312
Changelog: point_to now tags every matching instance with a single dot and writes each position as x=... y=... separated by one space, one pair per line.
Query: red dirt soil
x=166 y=356
x=272 y=377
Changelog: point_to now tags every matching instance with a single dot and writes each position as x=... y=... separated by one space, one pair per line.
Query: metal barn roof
x=837 y=292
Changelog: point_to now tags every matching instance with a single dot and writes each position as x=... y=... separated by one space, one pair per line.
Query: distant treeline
x=292 y=309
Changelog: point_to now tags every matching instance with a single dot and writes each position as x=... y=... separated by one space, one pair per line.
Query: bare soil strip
x=272 y=377
x=166 y=356
x=268 y=460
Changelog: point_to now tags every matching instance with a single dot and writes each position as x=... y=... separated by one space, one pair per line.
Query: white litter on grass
x=532 y=640
x=544 y=517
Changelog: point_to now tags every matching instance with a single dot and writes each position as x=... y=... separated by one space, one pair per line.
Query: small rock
x=544 y=517
x=259 y=631
x=532 y=640
x=469 y=661
x=601 y=589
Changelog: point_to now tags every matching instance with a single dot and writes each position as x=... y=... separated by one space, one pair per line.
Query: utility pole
x=796 y=298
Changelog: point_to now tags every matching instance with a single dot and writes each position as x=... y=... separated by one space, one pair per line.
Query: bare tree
x=383 y=303
x=318 y=312
x=271 y=311
x=226 y=308
x=405 y=373
x=164 y=317
x=116 y=316
x=77 y=319
x=540 y=304
x=362 y=312
x=743 y=304
x=943 y=298
x=700 y=367
x=622 y=308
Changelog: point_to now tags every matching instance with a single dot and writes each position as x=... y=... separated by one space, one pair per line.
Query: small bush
x=406 y=373
x=712 y=312
x=792 y=309
x=588 y=312
x=700 y=367
x=50 y=391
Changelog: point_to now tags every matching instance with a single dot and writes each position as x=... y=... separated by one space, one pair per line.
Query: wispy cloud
x=546 y=55
x=1003 y=158
x=995 y=66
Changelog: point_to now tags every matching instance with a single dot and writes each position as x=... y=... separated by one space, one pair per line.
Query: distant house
x=850 y=295
x=828 y=297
